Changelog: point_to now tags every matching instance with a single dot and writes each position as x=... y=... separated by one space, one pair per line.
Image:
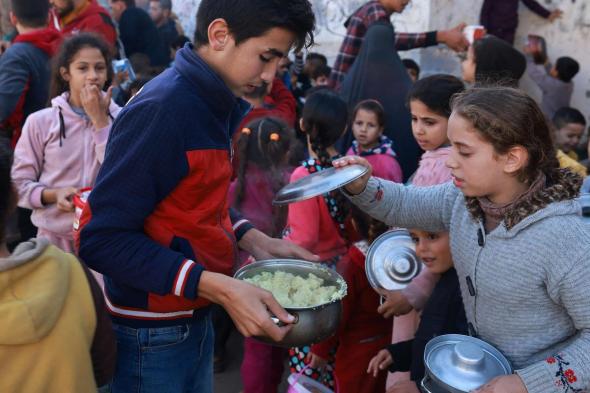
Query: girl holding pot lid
x=519 y=245
x=442 y=314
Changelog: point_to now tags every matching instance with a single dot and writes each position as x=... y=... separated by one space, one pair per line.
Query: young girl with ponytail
x=320 y=224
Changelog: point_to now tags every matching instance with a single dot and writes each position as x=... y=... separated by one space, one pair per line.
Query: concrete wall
x=567 y=36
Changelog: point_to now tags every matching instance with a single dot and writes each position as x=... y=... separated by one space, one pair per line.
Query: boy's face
x=255 y=61
x=62 y=7
x=322 y=80
x=157 y=12
x=568 y=137
x=433 y=249
x=394 y=6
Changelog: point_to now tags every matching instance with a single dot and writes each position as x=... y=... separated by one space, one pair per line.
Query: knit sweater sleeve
x=427 y=208
x=568 y=370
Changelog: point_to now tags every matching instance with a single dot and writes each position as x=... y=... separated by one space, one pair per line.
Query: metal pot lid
x=462 y=363
x=391 y=261
x=319 y=183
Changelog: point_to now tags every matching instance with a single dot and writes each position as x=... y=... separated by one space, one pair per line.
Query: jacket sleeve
x=569 y=369
x=145 y=160
x=104 y=346
x=427 y=208
x=239 y=224
x=285 y=105
x=28 y=165
x=537 y=8
x=402 y=356
x=538 y=73
x=13 y=80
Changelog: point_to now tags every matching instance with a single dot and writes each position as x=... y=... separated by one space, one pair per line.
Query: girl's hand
x=63 y=198
x=396 y=304
x=316 y=361
x=380 y=362
x=505 y=384
x=95 y=105
x=357 y=186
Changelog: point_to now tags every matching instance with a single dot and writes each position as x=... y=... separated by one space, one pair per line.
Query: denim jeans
x=175 y=359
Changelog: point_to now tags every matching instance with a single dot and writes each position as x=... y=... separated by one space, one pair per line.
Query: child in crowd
x=429 y=102
x=569 y=125
x=526 y=297
x=413 y=69
x=368 y=123
x=321 y=76
x=62 y=147
x=443 y=313
x=491 y=60
x=264 y=147
x=362 y=330
x=49 y=301
x=320 y=224
x=555 y=81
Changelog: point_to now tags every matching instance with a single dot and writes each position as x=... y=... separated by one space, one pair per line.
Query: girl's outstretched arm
x=427 y=208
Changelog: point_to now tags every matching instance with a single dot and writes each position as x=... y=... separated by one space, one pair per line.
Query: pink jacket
x=431 y=171
x=384 y=166
x=310 y=225
x=40 y=162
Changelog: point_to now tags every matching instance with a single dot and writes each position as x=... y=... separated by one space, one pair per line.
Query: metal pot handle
x=423 y=384
x=281 y=324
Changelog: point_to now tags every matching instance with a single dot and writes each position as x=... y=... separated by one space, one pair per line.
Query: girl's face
x=366 y=129
x=429 y=128
x=434 y=250
x=477 y=169
x=468 y=66
x=88 y=67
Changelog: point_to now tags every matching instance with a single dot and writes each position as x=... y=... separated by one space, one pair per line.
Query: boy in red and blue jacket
x=157 y=223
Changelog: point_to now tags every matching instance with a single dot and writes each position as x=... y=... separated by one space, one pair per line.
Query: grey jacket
x=526 y=290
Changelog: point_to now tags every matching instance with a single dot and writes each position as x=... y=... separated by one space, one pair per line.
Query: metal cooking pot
x=458 y=364
x=312 y=324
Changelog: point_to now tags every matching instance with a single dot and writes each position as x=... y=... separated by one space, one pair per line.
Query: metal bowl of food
x=315 y=301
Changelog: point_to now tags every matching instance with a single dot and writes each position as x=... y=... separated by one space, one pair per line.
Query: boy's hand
x=554 y=15
x=359 y=185
x=504 y=384
x=396 y=304
x=248 y=306
x=316 y=361
x=262 y=246
x=380 y=362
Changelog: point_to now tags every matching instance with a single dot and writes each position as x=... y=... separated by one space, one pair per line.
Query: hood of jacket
x=33 y=290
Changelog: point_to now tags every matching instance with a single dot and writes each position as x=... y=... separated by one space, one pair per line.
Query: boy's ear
x=301 y=125
x=517 y=158
x=218 y=34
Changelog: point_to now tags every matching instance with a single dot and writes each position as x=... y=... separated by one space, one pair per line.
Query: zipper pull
x=480 y=238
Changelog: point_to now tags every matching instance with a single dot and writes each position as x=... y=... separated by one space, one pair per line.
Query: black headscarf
x=378 y=73
x=497 y=62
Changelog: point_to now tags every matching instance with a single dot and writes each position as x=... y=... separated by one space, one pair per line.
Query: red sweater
x=279 y=103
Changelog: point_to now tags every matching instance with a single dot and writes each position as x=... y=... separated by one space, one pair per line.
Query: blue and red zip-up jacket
x=158 y=215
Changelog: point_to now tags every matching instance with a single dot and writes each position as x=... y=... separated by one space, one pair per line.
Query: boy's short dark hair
x=128 y=3
x=566 y=68
x=322 y=70
x=412 y=65
x=31 y=13
x=317 y=57
x=567 y=115
x=253 y=18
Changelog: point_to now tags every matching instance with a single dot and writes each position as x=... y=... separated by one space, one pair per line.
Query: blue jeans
x=176 y=359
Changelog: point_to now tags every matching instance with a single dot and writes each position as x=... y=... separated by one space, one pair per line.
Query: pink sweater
x=40 y=162
x=310 y=225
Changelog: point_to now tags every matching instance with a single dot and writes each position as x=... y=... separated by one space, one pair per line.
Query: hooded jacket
x=525 y=288
x=49 y=322
x=24 y=79
x=53 y=154
x=90 y=18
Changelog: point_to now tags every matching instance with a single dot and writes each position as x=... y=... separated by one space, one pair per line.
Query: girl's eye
x=463 y=154
x=265 y=59
x=432 y=236
x=415 y=239
x=429 y=122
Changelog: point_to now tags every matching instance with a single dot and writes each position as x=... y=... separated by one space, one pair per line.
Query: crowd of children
x=490 y=208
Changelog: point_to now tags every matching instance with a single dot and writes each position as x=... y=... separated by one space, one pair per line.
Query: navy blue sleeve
x=14 y=75
x=239 y=224
x=145 y=160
